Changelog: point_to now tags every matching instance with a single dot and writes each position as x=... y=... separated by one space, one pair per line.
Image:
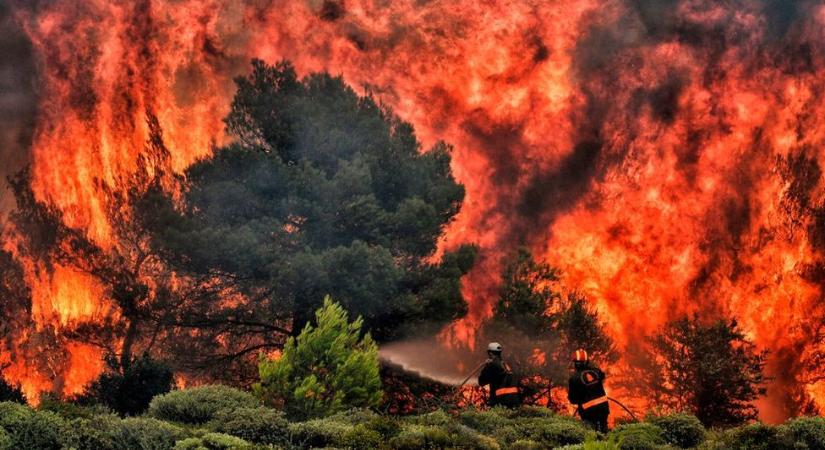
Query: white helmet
x=494 y=347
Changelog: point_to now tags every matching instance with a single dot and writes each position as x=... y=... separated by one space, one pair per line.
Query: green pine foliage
x=330 y=367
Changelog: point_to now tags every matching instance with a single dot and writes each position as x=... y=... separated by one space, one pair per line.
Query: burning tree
x=709 y=369
x=324 y=192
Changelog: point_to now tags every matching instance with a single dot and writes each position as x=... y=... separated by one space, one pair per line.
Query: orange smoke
x=664 y=155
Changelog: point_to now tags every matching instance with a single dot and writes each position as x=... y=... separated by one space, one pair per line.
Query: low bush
x=99 y=432
x=547 y=430
x=484 y=421
x=68 y=410
x=317 y=433
x=213 y=441
x=757 y=436
x=559 y=433
x=415 y=437
x=383 y=425
x=526 y=411
x=354 y=416
x=638 y=436
x=199 y=405
x=139 y=433
x=681 y=430
x=259 y=425
x=526 y=444
x=5 y=441
x=361 y=437
x=11 y=413
x=437 y=418
x=806 y=433
x=26 y=428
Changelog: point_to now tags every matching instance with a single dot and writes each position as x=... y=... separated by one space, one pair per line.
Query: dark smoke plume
x=18 y=101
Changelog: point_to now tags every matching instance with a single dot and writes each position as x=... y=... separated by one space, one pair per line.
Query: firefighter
x=499 y=376
x=586 y=391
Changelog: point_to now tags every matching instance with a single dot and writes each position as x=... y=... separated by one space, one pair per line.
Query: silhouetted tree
x=9 y=392
x=128 y=390
x=709 y=369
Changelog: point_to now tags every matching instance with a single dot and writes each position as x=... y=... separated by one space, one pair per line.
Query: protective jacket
x=586 y=391
x=504 y=389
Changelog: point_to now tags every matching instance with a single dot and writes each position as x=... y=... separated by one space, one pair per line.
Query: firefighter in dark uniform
x=499 y=376
x=586 y=391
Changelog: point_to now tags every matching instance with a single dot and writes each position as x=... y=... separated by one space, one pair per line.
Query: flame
x=646 y=150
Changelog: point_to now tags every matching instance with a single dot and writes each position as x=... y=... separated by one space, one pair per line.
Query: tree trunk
x=128 y=342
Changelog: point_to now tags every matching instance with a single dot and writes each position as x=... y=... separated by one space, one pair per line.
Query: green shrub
x=681 y=430
x=756 y=436
x=354 y=416
x=549 y=431
x=5 y=441
x=638 y=436
x=383 y=425
x=436 y=418
x=67 y=410
x=190 y=444
x=26 y=428
x=94 y=433
x=526 y=444
x=507 y=435
x=559 y=433
x=11 y=413
x=526 y=411
x=471 y=439
x=213 y=441
x=139 y=433
x=327 y=369
x=483 y=421
x=806 y=433
x=199 y=405
x=259 y=425
x=360 y=437
x=317 y=433
x=416 y=437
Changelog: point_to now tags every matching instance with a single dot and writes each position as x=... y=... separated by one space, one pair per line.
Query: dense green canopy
x=323 y=192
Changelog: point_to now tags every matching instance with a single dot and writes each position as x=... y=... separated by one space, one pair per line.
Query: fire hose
x=475 y=371
x=620 y=404
x=624 y=408
x=480 y=366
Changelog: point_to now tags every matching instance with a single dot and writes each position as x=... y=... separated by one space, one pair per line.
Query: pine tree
x=330 y=367
x=709 y=369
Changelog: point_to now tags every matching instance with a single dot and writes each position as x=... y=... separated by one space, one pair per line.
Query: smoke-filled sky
x=665 y=154
x=18 y=99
